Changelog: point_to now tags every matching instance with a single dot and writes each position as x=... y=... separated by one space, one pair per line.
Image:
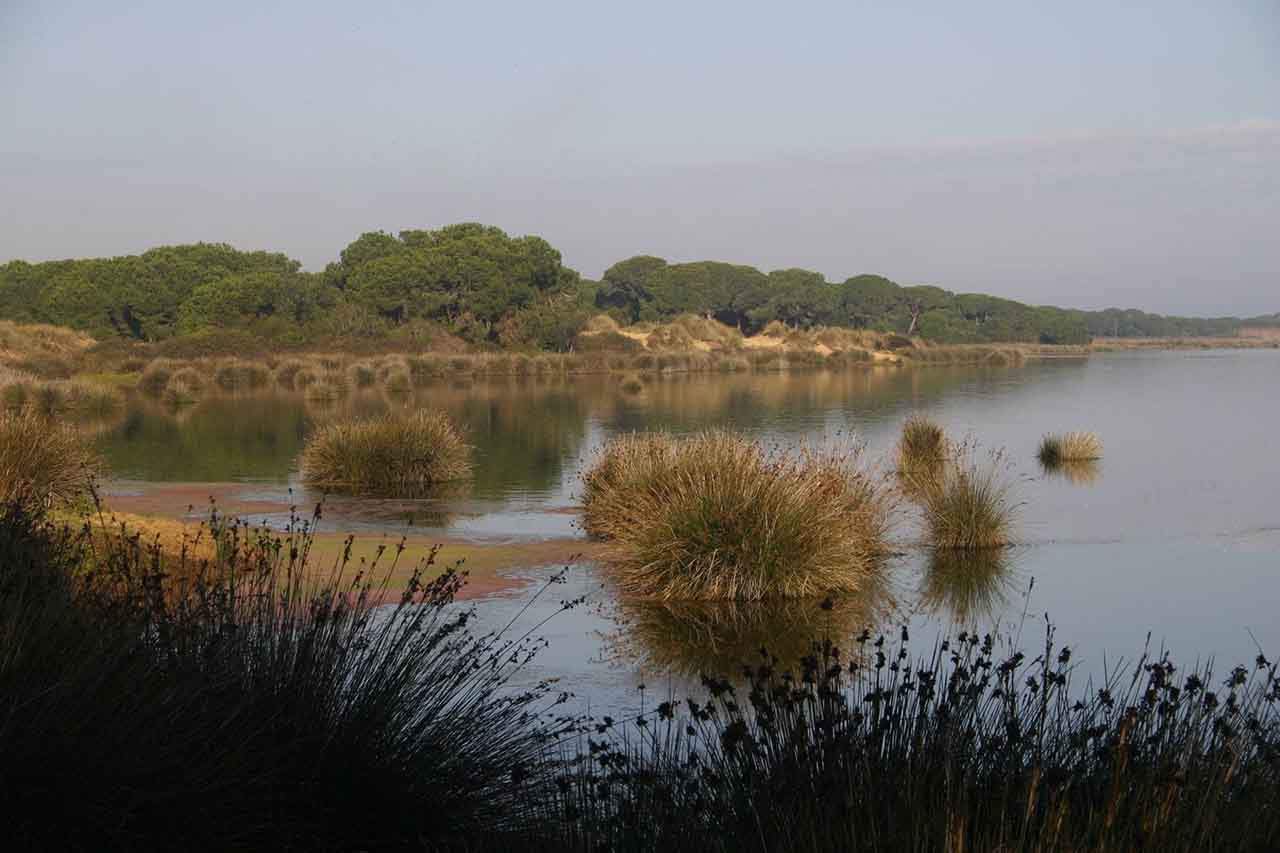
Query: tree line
x=492 y=288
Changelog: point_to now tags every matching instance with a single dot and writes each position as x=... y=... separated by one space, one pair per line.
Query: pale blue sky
x=1083 y=154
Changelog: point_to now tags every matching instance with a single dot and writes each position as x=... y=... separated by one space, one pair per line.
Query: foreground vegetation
x=717 y=516
x=242 y=703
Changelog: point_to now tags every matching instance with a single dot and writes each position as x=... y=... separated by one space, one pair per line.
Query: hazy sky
x=1076 y=153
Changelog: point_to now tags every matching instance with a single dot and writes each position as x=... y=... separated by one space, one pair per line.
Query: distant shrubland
x=474 y=285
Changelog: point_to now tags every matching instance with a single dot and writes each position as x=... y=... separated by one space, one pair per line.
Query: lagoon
x=1176 y=534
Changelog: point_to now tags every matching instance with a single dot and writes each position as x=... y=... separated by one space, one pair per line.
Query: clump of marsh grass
x=43 y=462
x=631 y=385
x=970 y=505
x=362 y=374
x=717 y=516
x=62 y=397
x=155 y=376
x=1071 y=447
x=393 y=455
x=241 y=375
x=328 y=386
x=287 y=371
x=923 y=444
x=184 y=386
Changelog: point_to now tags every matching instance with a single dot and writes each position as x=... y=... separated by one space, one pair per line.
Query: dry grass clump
x=362 y=374
x=241 y=376
x=970 y=506
x=61 y=398
x=1071 y=447
x=184 y=386
x=327 y=387
x=716 y=516
x=286 y=372
x=42 y=462
x=391 y=455
x=631 y=385
x=601 y=323
x=155 y=376
x=923 y=444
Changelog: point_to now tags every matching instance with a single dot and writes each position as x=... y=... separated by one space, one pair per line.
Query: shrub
x=715 y=516
x=969 y=506
x=1074 y=446
x=391 y=455
x=42 y=462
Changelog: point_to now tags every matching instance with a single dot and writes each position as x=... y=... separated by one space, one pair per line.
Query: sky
x=1085 y=154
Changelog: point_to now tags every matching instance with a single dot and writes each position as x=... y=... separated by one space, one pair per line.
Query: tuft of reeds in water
x=393 y=455
x=717 y=516
x=241 y=375
x=1071 y=447
x=362 y=374
x=970 y=505
x=43 y=462
x=923 y=445
x=185 y=386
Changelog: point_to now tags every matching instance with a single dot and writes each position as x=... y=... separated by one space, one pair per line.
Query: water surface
x=1176 y=533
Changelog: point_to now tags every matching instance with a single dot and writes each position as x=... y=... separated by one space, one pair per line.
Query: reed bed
x=394 y=455
x=869 y=747
x=1070 y=447
x=43 y=462
x=716 y=516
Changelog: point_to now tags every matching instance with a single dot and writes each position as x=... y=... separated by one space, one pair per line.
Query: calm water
x=1177 y=532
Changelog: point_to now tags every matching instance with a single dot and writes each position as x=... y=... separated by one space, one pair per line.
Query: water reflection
x=968 y=587
x=691 y=638
x=1079 y=472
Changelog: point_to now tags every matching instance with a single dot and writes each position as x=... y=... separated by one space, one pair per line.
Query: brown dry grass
x=717 y=516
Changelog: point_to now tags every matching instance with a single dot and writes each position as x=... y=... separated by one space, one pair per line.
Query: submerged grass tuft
x=391 y=455
x=716 y=516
